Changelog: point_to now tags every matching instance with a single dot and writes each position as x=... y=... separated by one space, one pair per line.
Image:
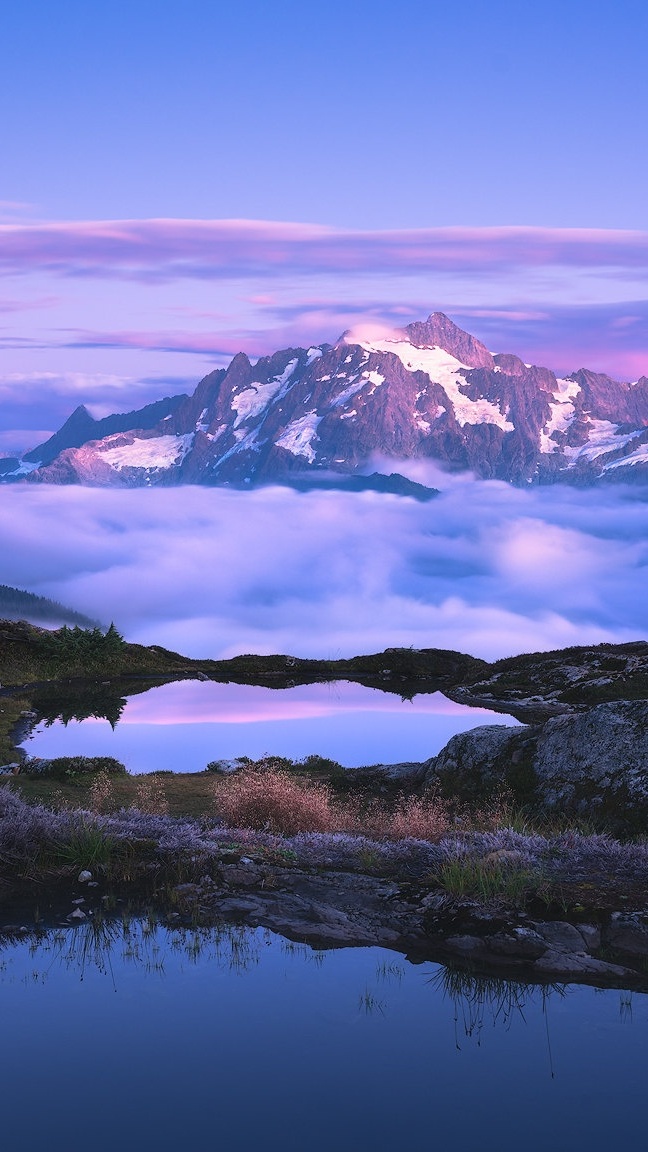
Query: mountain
x=429 y=390
x=16 y=604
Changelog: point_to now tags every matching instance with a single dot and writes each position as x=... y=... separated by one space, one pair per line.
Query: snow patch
x=299 y=435
x=253 y=400
x=446 y=370
x=562 y=412
x=639 y=456
x=24 y=468
x=374 y=378
x=354 y=386
x=602 y=438
x=157 y=452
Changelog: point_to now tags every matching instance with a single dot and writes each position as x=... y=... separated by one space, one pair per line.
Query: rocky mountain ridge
x=429 y=390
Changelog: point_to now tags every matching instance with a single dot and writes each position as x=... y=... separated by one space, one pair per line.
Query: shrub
x=67 y=767
x=411 y=817
x=321 y=764
x=273 y=800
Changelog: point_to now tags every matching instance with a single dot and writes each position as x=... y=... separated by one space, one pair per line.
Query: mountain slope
x=429 y=390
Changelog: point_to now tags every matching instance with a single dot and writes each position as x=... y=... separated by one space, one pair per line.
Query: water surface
x=183 y=726
x=141 y=1037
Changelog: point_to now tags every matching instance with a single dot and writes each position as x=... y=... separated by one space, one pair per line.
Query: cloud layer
x=135 y=299
x=484 y=568
x=153 y=249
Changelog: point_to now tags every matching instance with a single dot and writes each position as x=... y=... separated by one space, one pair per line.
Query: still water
x=140 y=1037
x=182 y=726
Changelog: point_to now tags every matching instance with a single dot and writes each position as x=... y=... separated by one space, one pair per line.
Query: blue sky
x=407 y=142
x=356 y=115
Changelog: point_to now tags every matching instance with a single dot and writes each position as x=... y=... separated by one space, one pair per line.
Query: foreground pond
x=183 y=726
x=142 y=1037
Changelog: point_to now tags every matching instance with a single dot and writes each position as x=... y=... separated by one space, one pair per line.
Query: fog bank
x=484 y=568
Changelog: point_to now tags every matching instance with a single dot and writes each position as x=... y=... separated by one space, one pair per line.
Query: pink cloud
x=29 y=305
x=161 y=249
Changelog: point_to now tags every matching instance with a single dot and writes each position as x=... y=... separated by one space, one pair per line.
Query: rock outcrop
x=588 y=764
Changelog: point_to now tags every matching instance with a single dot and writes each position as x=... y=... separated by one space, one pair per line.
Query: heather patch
x=40 y=841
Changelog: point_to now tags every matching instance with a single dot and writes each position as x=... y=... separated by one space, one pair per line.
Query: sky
x=179 y=181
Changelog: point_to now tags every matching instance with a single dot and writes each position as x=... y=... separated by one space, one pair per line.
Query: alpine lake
x=128 y=1032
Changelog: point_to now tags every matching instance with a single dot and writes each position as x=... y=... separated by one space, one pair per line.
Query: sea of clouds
x=484 y=568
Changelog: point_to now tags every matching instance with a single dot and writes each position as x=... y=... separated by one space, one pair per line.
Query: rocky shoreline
x=331 y=908
x=582 y=753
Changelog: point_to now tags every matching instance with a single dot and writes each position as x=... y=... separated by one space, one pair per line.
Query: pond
x=134 y=1035
x=182 y=726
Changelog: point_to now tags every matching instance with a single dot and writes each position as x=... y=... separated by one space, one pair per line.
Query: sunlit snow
x=157 y=452
x=253 y=400
x=602 y=438
x=447 y=371
x=639 y=456
x=562 y=412
x=299 y=435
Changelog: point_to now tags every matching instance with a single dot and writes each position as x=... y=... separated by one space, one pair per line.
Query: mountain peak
x=439 y=331
x=425 y=391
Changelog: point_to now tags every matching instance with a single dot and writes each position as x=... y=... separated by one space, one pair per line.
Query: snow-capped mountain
x=427 y=390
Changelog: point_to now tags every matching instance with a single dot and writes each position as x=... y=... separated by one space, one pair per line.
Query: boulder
x=475 y=765
x=592 y=763
x=596 y=763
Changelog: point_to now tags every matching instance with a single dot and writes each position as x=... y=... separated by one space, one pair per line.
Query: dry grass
x=150 y=796
x=265 y=796
x=275 y=801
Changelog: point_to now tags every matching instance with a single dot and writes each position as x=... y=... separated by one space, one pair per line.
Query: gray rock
x=590 y=763
x=519 y=944
x=565 y=965
x=596 y=762
x=475 y=764
x=409 y=772
x=628 y=933
x=560 y=935
x=465 y=945
x=84 y=876
x=591 y=934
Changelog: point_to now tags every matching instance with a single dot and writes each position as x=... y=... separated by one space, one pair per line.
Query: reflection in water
x=183 y=725
x=234 y=1038
x=478 y=1000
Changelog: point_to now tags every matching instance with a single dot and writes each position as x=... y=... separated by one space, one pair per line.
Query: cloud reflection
x=193 y=702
